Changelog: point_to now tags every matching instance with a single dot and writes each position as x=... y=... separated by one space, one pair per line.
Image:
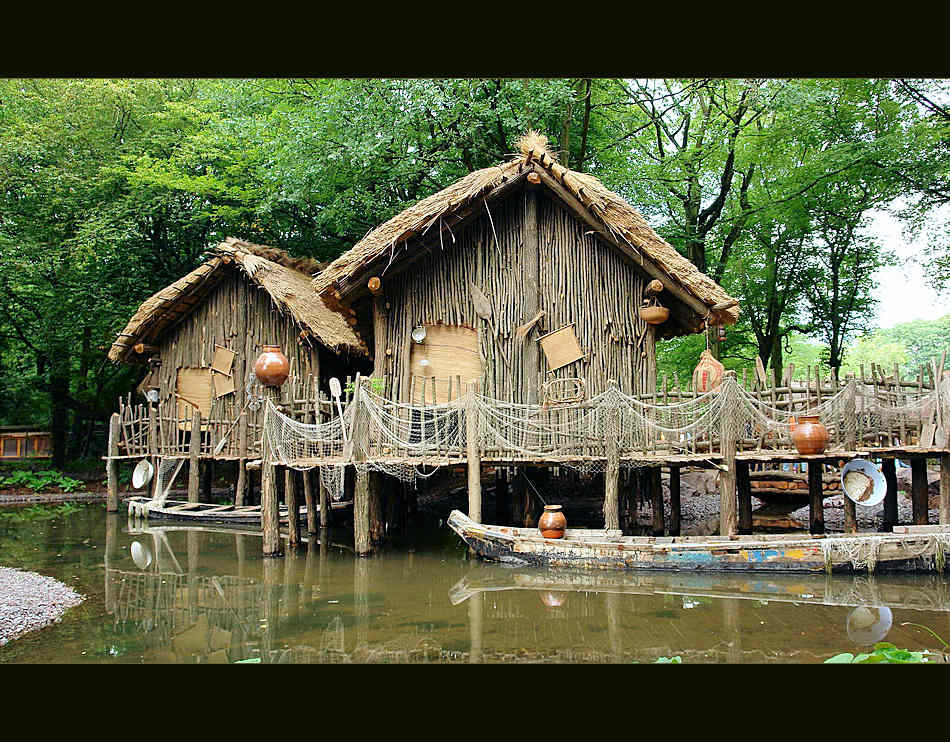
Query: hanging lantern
x=721 y=333
x=708 y=373
x=272 y=367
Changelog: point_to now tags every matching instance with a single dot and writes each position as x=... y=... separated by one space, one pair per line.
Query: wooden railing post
x=270 y=509
x=850 y=513
x=194 y=447
x=612 y=473
x=112 y=465
x=727 y=478
x=473 y=456
x=361 y=494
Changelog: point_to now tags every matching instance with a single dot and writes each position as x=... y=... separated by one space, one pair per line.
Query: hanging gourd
x=708 y=372
x=652 y=312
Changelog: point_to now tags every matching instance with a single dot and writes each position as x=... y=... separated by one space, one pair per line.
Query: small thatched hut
x=202 y=334
x=517 y=274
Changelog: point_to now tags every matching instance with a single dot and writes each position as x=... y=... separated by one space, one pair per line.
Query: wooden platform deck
x=204 y=512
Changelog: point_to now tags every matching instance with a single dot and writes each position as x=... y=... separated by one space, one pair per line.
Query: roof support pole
x=532 y=295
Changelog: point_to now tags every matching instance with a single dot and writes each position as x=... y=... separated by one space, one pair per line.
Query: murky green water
x=208 y=596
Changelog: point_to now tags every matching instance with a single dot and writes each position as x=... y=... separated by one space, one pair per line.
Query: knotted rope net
x=409 y=441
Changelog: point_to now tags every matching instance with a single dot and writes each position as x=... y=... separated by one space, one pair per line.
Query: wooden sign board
x=223 y=360
x=451 y=351
x=561 y=347
x=223 y=385
x=194 y=385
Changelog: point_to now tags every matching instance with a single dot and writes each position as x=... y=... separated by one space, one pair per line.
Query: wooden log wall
x=582 y=280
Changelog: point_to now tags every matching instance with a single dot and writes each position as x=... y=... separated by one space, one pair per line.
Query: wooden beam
x=612 y=473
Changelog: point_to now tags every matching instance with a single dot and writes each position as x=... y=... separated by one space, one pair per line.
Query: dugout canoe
x=206 y=512
x=915 y=551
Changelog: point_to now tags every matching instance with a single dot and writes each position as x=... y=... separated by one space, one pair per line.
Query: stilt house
x=515 y=275
x=201 y=335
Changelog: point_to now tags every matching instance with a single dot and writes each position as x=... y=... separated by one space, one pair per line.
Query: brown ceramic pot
x=809 y=435
x=272 y=367
x=552 y=522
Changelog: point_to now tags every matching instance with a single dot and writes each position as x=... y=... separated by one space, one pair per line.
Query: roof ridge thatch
x=618 y=218
x=289 y=288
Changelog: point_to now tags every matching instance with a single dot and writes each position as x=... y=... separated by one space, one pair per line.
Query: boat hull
x=602 y=550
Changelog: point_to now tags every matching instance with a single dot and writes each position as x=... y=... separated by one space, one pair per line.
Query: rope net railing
x=409 y=440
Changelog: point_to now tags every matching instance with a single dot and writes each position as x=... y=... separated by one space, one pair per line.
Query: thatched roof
x=281 y=275
x=615 y=219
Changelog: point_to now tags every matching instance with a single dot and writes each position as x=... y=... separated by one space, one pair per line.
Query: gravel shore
x=29 y=601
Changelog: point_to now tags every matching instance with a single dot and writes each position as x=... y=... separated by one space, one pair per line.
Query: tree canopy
x=112 y=189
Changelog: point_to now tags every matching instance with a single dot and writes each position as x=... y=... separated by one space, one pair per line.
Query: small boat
x=207 y=512
x=910 y=550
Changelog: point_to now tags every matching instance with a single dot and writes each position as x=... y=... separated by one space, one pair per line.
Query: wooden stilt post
x=361 y=494
x=374 y=491
x=194 y=448
x=727 y=479
x=889 y=469
x=270 y=508
x=501 y=497
x=944 y=489
x=612 y=473
x=112 y=465
x=293 y=507
x=307 y=475
x=675 y=507
x=919 y=488
x=656 y=494
x=207 y=478
x=240 y=483
x=326 y=513
x=744 y=492
x=473 y=456
x=816 y=501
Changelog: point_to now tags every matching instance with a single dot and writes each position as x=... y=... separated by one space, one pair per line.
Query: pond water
x=189 y=595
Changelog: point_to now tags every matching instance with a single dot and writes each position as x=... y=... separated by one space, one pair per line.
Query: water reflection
x=207 y=595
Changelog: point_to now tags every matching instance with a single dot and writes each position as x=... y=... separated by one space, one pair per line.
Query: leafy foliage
x=883 y=653
x=40 y=480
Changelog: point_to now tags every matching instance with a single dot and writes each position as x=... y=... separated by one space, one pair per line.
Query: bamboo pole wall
x=582 y=280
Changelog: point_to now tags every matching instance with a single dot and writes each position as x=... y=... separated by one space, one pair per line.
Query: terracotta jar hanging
x=552 y=522
x=708 y=373
x=809 y=435
x=272 y=367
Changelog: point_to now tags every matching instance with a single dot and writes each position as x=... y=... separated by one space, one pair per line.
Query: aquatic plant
x=884 y=653
x=677 y=660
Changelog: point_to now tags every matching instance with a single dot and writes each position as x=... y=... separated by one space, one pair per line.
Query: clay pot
x=272 y=367
x=552 y=522
x=809 y=435
x=654 y=315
